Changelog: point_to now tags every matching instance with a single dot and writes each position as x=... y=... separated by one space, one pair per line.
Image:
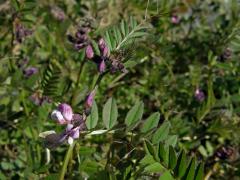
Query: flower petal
x=70 y=140
x=57 y=116
x=66 y=111
x=89 y=52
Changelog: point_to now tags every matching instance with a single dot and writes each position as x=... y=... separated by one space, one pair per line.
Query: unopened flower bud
x=90 y=99
x=103 y=47
x=57 y=116
x=66 y=111
x=70 y=140
x=102 y=66
x=175 y=19
x=89 y=52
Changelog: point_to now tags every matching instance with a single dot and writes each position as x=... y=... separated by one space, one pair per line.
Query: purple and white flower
x=199 y=95
x=66 y=111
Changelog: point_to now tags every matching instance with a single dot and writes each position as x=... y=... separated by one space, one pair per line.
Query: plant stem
x=78 y=81
x=66 y=161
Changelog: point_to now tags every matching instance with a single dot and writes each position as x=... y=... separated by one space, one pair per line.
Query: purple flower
x=30 y=71
x=103 y=47
x=72 y=133
x=38 y=99
x=66 y=111
x=57 y=116
x=175 y=19
x=199 y=95
x=81 y=34
x=89 y=52
x=75 y=123
x=21 y=32
x=80 y=40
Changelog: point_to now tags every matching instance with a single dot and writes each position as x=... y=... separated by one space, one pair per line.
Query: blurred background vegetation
x=190 y=45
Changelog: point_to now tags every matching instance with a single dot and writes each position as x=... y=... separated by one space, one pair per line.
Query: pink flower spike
x=101 y=43
x=105 y=51
x=66 y=111
x=90 y=99
x=103 y=47
x=57 y=116
x=89 y=52
x=102 y=66
x=175 y=19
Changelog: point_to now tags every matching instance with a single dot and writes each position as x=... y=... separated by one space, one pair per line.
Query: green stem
x=66 y=161
x=78 y=82
x=98 y=80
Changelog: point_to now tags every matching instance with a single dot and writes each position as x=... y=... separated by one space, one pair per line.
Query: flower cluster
x=80 y=40
x=64 y=115
x=100 y=60
x=21 y=32
x=104 y=60
x=27 y=71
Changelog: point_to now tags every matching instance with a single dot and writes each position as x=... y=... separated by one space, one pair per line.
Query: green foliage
x=151 y=122
x=51 y=79
x=92 y=119
x=162 y=133
x=177 y=165
x=125 y=34
x=134 y=114
x=110 y=113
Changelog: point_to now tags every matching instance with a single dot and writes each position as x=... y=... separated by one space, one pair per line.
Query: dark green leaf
x=162 y=133
x=110 y=113
x=149 y=148
x=189 y=174
x=172 y=158
x=171 y=140
x=151 y=122
x=92 y=119
x=181 y=164
x=162 y=154
x=166 y=176
x=135 y=114
x=199 y=174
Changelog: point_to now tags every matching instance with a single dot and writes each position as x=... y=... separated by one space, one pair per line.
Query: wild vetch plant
x=103 y=53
